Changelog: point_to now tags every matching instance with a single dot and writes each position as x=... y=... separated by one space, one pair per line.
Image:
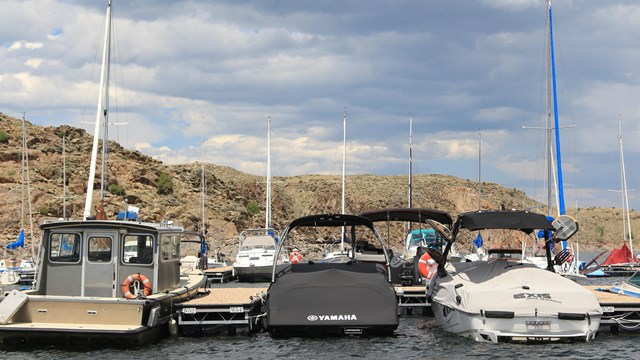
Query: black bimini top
x=417 y=215
x=331 y=220
x=517 y=220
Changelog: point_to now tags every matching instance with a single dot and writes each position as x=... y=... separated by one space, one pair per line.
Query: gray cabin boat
x=108 y=281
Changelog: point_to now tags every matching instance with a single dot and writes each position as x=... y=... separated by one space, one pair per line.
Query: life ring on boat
x=295 y=256
x=131 y=281
x=427 y=266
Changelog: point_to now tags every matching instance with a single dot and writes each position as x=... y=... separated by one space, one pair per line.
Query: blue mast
x=561 y=209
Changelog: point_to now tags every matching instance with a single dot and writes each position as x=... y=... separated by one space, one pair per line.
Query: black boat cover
x=332 y=296
x=417 y=215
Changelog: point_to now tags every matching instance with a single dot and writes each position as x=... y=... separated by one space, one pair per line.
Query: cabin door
x=99 y=265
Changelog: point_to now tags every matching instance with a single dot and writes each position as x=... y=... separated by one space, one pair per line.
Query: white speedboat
x=257 y=255
x=504 y=299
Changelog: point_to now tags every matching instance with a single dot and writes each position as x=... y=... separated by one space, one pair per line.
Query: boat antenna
x=101 y=112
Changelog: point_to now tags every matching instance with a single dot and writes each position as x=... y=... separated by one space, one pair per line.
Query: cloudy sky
x=461 y=68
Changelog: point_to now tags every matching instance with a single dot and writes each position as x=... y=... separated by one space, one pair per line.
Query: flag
x=478 y=240
x=19 y=243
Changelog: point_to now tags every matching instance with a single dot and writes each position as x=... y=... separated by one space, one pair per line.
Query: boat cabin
x=94 y=258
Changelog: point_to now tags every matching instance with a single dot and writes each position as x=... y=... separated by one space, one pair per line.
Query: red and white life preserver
x=130 y=281
x=295 y=256
x=427 y=268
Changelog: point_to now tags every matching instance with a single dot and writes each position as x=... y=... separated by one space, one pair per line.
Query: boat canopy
x=418 y=215
x=331 y=220
x=524 y=221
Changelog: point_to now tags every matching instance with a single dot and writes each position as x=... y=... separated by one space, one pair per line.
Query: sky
x=471 y=74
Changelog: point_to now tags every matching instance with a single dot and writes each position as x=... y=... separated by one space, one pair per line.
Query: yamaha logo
x=332 y=317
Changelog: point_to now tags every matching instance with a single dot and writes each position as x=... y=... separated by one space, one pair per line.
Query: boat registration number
x=608 y=309
x=254 y=258
x=538 y=325
x=189 y=310
x=236 y=309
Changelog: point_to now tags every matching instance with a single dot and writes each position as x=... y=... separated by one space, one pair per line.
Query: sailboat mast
x=479 y=168
x=344 y=169
x=99 y=113
x=203 y=186
x=268 y=203
x=64 y=177
x=410 y=160
x=625 y=198
x=553 y=88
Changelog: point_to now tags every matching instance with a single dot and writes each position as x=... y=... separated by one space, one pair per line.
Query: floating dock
x=412 y=300
x=618 y=311
x=219 y=274
x=222 y=309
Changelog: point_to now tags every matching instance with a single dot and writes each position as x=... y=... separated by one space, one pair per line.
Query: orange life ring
x=295 y=257
x=423 y=266
x=131 y=280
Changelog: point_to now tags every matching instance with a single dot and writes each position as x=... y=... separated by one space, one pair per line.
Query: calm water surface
x=416 y=337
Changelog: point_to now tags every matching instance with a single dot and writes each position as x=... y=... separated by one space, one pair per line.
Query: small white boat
x=257 y=255
x=504 y=299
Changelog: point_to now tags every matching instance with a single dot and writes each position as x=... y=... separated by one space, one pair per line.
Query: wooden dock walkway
x=618 y=311
x=223 y=309
x=219 y=274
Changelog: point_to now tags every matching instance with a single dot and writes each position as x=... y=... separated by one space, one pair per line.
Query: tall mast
x=268 y=203
x=552 y=90
x=479 y=167
x=100 y=113
x=344 y=168
x=203 y=186
x=64 y=177
x=626 y=225
x=410 y=203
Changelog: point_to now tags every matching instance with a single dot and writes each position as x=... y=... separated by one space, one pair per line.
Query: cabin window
x=137 y=249
x=64 y=247
x=170 y=246
x=100 y=249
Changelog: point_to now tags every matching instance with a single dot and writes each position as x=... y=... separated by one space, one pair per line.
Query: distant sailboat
x=621 y=262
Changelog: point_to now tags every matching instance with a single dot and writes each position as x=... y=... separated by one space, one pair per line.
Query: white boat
x=505 y=299
x=257 y=255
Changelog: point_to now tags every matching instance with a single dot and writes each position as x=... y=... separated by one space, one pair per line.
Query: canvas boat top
x=417 y=215
x=508 y=285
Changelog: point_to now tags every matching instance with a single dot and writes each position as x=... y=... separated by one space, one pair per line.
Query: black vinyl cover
x=351 y=295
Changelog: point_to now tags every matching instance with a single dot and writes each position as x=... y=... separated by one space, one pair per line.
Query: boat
x=111 y=282
x=405 y=269
x=257 y=248
x=503 y=298
x=313 y=298
x=86 y=292
x=567 y=261
x=257 y=255
x=621 y=261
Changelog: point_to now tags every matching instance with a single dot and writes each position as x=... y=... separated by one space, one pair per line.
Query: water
x=416 y=337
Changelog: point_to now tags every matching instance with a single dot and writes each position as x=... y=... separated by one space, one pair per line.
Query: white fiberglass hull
x=503 y=300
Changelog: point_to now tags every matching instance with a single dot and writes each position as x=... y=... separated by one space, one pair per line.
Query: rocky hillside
x=234 y=200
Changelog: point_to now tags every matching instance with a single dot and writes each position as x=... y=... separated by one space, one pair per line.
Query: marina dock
x=219 y=274
x=618 y=311
x=412 y=300
x=222 y=309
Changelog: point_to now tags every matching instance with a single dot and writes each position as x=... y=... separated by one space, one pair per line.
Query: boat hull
x=332 y=299
x=519 y=328
x=254 y=273
x=76 y=320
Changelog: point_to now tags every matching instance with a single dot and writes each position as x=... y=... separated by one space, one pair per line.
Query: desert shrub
x=253 y=207
x=116 y=189
x=165 y=184
x=4 y=137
